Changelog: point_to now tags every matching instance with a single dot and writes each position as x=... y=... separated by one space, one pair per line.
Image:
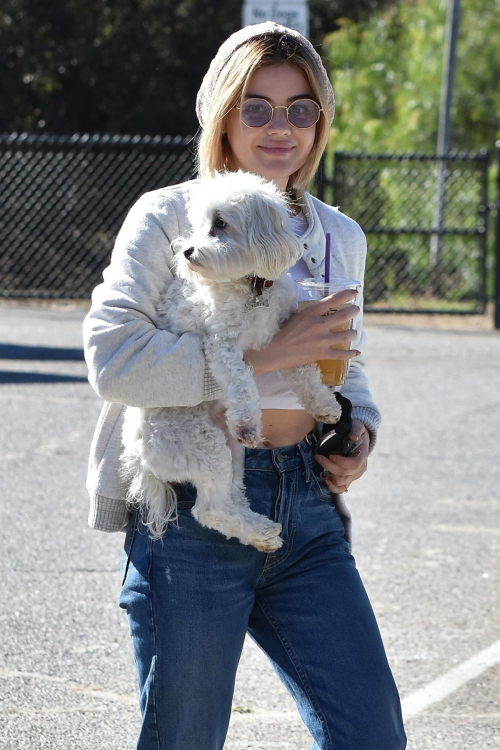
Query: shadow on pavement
x=24 y=351
x=7 y=377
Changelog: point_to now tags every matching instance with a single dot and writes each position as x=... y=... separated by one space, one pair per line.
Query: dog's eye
x=219 y=223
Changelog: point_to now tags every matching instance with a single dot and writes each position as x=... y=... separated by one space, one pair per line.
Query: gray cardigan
x=132 y=362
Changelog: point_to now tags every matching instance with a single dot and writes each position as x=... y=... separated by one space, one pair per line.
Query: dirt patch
x=46 y=304
x=412 y=320
x=426 y=320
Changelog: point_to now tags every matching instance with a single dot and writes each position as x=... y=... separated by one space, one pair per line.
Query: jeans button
x=280 y=457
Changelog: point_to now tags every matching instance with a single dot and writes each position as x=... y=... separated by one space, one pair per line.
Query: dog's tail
x=155 y=500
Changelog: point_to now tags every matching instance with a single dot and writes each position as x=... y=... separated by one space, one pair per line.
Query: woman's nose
x=279 y=121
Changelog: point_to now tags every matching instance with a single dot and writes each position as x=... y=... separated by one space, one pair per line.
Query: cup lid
x=342 y=283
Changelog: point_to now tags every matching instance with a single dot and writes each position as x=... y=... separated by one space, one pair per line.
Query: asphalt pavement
x=426 y=540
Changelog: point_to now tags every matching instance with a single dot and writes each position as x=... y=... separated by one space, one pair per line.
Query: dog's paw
x=249 y=440
x=328 y=415
x=267 y=539
x=269 y=545
x=327 y=418
x=248 y=435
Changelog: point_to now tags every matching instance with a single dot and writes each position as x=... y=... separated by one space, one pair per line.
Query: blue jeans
x=193 y=595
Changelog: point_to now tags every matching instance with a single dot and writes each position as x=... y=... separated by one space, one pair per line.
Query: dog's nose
x=188 y=253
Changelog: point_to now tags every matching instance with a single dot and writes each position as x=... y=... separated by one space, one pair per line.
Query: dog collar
x=258 y=283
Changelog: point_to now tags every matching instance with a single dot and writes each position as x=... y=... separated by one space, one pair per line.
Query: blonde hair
x=213 y=151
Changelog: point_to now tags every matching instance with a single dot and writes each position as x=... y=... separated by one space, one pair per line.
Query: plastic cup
x=333 y=371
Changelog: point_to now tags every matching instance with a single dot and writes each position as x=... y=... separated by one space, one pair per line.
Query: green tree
x=123 y=66
x=386 y=73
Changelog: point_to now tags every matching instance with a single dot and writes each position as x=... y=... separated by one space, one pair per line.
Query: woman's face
x=276 y=150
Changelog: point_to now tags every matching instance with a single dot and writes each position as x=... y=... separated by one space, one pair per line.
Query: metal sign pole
x=497 y=248
x=443 y=144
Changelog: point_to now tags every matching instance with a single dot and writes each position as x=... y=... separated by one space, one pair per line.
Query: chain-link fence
x=63 y=200
x=426 y=224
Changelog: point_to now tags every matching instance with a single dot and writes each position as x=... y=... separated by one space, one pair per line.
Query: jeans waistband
x=287 y=458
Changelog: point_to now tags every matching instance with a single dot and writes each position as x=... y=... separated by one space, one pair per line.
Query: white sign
x=295 y=15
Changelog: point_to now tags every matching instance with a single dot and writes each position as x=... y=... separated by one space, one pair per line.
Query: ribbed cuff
x=108 y=514
x=211 y=390
x=371 y=420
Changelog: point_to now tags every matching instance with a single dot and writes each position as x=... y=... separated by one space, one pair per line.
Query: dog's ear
x=270 y=230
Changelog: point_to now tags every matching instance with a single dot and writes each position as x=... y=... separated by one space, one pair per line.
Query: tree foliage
x=121 y=65
x=387 y=72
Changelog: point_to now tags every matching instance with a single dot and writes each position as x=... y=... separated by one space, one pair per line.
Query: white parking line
x=437 y=690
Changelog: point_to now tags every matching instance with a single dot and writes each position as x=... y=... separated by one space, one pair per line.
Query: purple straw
x=327 y=258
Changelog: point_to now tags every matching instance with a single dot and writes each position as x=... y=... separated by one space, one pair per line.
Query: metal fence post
x=497 y=247
x=335 y=189
x=483 y=229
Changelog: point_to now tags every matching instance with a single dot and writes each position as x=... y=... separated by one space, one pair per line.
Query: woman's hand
x=306 y=336
x=339 y=472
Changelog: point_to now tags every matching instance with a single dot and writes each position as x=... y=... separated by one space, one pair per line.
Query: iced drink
x=333 y=371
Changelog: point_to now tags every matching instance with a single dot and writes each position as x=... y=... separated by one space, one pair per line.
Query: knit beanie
x=237 y=40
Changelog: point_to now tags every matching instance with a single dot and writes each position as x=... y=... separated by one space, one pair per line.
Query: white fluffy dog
x=231 y=289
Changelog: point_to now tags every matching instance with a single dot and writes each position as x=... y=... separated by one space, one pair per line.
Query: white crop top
x=273 y=390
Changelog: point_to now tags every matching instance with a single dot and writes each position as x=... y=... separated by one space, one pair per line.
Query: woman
x=265 y=106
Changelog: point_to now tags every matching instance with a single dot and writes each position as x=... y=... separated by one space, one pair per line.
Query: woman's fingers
x=323 y=327
x=330 y=314
x=309 y=335
x=359 y=432
x=340 y=338
x=336 y=344
x=337 y=316
x=340 y=471
x=339 y=465
x=339 y=298
x=341 y=484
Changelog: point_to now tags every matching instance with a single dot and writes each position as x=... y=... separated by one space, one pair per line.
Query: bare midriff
x=282 y=427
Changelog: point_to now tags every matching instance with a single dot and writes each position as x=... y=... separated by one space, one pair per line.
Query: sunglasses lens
x=303 y=113
x=256 y=112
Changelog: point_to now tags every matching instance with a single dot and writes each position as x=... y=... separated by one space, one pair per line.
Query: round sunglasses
x=304 y=113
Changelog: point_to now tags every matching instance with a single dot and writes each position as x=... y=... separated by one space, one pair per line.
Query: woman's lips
x=277 y=150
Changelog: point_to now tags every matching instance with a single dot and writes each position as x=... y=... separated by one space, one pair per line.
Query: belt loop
x=311 y=439
x=304 y=456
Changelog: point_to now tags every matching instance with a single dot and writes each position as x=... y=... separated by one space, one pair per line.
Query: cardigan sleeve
x=356 y=387
x=131 y=361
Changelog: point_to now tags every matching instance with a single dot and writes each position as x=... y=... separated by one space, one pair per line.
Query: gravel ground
x=427 y=543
